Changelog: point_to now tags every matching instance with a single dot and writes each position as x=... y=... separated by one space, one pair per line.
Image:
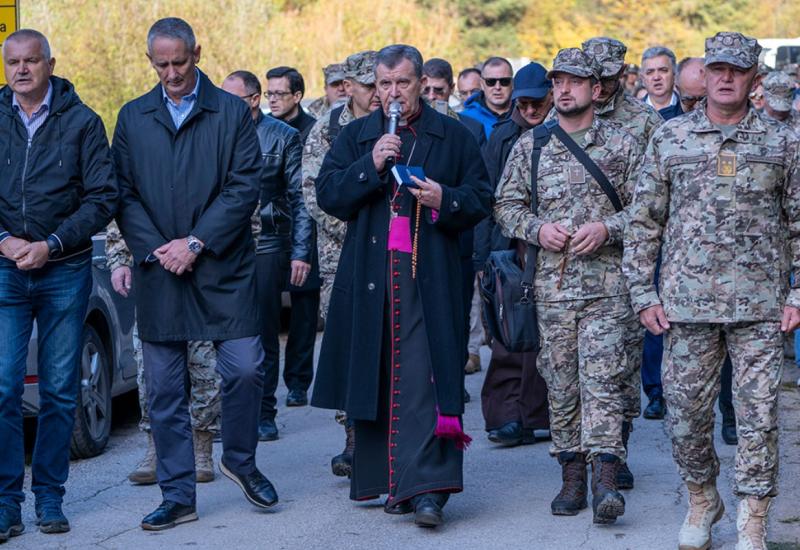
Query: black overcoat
x=200 y=180
x=350 y=188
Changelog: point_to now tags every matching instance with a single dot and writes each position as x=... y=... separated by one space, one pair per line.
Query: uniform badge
x=576 y=174
x=726 y=164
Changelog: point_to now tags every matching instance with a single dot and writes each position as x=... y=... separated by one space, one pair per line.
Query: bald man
x=691 y=83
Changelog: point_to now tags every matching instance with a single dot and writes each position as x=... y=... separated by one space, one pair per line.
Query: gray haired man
x=658 y=75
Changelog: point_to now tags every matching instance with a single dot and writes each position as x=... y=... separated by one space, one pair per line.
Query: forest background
x=100 y=44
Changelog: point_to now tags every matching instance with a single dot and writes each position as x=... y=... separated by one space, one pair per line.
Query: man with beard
x=514 y=395
x=581 y=296
x=394 y=350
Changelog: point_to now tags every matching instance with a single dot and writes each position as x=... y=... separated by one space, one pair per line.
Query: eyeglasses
x=505 y=82
x=756 y=96
x=692 y=99
x=523 y=105
x=248 y=96
x=438 y=90
x=277 y=95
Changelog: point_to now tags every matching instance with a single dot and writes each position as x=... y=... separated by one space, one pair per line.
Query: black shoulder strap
x=541 y=136
x=590 y=165
x=333 y=122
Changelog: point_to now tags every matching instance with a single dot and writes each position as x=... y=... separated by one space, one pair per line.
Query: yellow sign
x=9 y=22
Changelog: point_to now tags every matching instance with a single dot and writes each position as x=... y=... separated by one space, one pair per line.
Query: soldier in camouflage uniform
x=359 y=75
x=581 y=295
x=204 y=403
x=720 y=194
x=778 y=94
x=639 y=120
x=335 y=92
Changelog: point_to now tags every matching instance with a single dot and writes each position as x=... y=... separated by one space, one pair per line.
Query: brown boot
x=203 y=456
x=473 y=364
x=624 y=474
x=751 y=523
x=145 y=472
x=607 y=502
x=342 y=464
x=572 y=497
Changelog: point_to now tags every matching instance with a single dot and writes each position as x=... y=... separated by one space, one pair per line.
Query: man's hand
x=175 y=256
x=387 y=146
x=14 y=248
x=589 y=237
x=553 y=237
x=121 y=280
x=300 y=271
x=35 y=255
x=654 y=319
x=791 y=318
x=429 y=193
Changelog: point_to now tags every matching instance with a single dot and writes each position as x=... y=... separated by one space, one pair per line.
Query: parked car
x=108 y=367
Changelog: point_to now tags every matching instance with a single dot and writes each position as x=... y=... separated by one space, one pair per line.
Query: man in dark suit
x=188 y=161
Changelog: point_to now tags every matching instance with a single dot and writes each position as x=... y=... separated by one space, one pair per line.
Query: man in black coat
x=188 y=161
x=57 y=188
x=284 y=247
x=514 y=395
x=394 y=346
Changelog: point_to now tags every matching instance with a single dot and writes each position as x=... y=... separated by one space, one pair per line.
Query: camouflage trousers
x=632 y=382
x=583 y=361
x=324 y=302
x=690 y=373
x=204 y=398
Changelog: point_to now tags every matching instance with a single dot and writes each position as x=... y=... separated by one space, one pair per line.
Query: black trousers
x=298 y=371
x=239 y=363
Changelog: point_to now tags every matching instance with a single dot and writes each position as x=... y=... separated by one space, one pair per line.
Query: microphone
x=394 y=120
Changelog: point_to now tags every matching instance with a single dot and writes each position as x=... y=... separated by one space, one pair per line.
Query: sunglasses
x=505 y=82
x=756 y=96
x=438 y=90
x=692 y=98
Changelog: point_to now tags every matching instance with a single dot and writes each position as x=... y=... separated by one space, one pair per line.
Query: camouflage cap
x=574 y=61
x=733 y=48
x=778 y=90
x=361 y=67
x=608 y=52
x=333 y=73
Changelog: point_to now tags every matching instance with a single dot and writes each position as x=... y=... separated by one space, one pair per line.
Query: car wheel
x=93 y=413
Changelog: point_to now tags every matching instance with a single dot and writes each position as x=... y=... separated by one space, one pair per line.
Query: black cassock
x=399 y=453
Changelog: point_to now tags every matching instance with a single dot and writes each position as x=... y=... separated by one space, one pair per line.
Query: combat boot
x=607 y=502
x=705 y=509
x=342 y=464
x=572 y=497
x=145 y=472
x=751 y=523
x=203 y=459
x=624 y=474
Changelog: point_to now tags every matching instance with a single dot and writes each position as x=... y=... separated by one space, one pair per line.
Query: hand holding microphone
x=387 y=148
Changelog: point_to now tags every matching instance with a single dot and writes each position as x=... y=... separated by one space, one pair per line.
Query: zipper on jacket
x=24 y=175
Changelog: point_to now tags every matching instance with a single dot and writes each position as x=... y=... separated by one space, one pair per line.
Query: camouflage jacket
x=725 y=213
x=117 y=253
x=331 y=231
x=634 y=116
x=318 y=107
x=567 y=194
x=793 y=121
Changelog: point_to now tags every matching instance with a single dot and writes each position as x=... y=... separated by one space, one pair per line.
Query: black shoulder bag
x=507 y=285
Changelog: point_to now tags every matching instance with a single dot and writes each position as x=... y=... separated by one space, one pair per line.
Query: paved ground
x=505 y=503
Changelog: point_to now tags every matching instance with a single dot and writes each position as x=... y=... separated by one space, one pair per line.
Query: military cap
x=778 y=90
x=733 y=48
x=609 y=53
x=573 y=61
x=360 y=67
x=632 y=68
x=333 y=73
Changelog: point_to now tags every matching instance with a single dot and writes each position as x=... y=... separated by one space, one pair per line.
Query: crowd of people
x=667 y=225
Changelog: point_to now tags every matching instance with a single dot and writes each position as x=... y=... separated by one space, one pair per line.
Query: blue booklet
x=402 y=174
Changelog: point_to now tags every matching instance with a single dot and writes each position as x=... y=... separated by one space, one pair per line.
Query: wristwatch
x=195 y=246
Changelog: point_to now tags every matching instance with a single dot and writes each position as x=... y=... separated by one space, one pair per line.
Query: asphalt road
x=505 y=504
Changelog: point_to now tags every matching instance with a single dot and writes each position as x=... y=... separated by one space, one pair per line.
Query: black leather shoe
x=512 y=434
x=168 y=515
x=428 y=511
x=467 y=396
x=655 y=409
x=267 y=430
x=10 y=523
x=729 y=434
x=297 y=398
x=255 y=486
x=399 y=509
x=50 y=518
